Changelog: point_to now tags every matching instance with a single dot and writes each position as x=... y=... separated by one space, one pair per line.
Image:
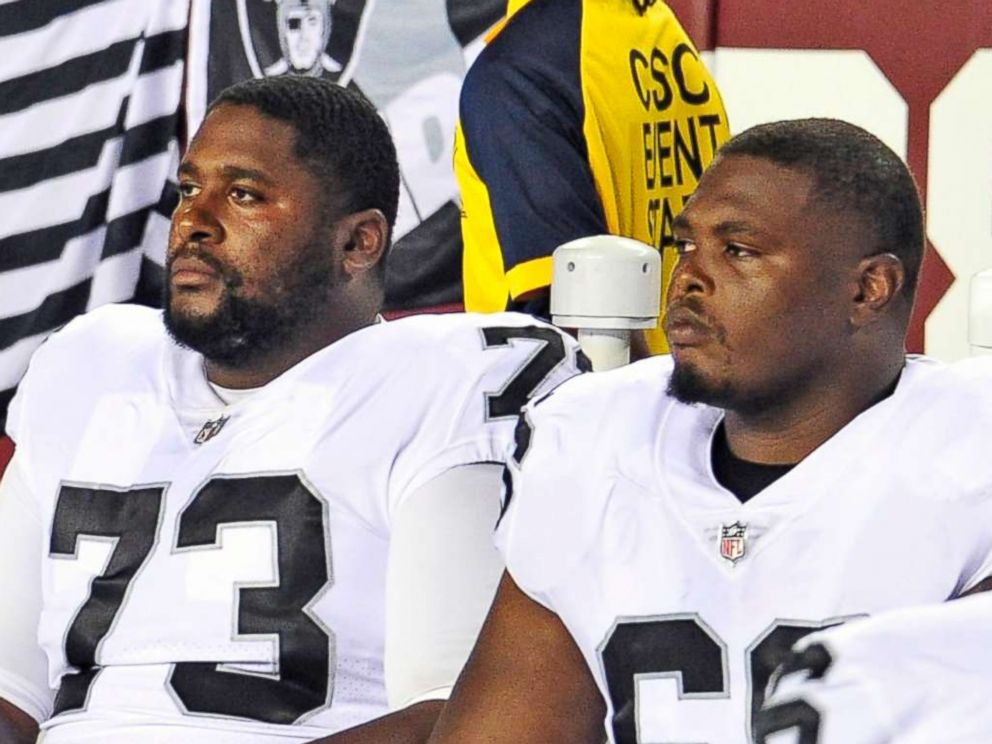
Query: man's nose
x=689 y=276
x=195 y=222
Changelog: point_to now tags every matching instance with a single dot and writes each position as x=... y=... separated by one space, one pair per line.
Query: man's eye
x=187 y=189
x=683 y=246
x=737 y=250
x=244 y=196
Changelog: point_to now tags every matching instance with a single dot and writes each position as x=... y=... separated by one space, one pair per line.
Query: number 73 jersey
x=222 y=567
x=681 y=598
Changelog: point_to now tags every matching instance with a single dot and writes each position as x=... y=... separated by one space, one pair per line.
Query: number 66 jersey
x=682 y=598
x=215 y=572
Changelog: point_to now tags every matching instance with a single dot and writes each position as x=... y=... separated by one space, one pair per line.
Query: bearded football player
x=674 y=524
x=264 y=516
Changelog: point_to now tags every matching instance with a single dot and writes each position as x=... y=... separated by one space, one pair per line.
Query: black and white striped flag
x=90 y=92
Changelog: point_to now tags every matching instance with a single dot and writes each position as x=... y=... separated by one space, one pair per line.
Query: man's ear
x=880 y=279
x=364 y=237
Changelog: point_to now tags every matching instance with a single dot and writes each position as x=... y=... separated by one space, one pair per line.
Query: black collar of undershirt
x=742 y=478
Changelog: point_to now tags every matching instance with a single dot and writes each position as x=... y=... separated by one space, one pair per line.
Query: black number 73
x=131 y=519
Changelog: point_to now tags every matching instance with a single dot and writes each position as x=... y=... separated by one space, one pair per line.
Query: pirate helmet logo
x=304 y=30
x=317 y=38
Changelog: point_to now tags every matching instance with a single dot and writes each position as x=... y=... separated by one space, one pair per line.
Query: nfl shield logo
x=210 y=430
x=733 y=543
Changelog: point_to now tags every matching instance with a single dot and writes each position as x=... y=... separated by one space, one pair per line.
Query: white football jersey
x=680 y=597
x=215 y=570
x=912 y=676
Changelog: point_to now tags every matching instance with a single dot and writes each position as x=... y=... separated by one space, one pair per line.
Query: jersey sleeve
x=522 y=166
x=806 y=706
x=960 y=471
x=14 y=425
x=28 y=403
x=23 y=665
x=550 y=516
x=442 y=575
x=982 y=559
x=490 y=367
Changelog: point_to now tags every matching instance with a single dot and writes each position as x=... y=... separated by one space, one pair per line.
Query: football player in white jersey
x=674 y=524
x=911 y=676
x=267 y=519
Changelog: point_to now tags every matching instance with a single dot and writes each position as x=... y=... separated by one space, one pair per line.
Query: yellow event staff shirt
x=580 y=117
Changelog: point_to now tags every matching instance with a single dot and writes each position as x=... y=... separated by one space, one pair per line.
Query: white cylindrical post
x=606 y=286
x=605 y=348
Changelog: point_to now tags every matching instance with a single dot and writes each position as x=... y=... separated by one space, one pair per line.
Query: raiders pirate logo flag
x=279 y=37
x=304 y=29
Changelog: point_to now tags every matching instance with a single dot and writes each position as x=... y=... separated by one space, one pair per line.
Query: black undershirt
x=742 y=478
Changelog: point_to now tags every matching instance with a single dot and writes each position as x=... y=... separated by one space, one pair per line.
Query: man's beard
x=241 y=329
x=688 y=385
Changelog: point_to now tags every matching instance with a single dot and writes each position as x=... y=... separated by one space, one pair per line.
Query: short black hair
x=340 y=137
x=853 y=172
